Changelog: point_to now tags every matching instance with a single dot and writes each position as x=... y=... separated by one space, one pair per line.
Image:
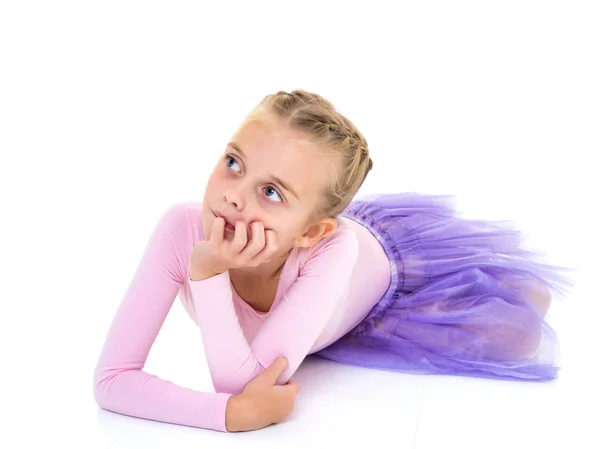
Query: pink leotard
x=323 y=292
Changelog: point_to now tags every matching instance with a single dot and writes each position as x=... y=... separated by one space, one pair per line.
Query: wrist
x=200 y=275
x=234 y=413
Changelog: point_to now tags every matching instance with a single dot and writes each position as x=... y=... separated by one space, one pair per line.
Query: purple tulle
x=465 y=297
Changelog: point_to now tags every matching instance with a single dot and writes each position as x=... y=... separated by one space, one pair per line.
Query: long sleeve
x=120 y=384
x=292 y=326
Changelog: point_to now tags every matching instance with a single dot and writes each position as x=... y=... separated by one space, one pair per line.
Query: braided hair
x=333 y=134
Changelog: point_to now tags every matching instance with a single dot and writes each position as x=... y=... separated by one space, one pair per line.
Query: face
x=269 y=173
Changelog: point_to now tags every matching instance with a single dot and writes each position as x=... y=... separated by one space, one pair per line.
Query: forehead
x=272 y=148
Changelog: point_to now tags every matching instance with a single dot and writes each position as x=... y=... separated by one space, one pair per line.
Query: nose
x=234 y=197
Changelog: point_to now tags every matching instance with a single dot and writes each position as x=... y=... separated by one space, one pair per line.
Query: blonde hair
x=334 y=135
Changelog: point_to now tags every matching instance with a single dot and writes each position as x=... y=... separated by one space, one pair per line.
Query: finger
x=293 y=386
x=256 y=244
x=274 y=370
x=269 y=249
x=217 y=232
x=240 y=239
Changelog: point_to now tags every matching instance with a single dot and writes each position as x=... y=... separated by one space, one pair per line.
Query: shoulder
x=182 y=221
x=341 y=245
x=178 y=213
x=343 y=235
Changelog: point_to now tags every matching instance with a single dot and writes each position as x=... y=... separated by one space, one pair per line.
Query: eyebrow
x=273 y=177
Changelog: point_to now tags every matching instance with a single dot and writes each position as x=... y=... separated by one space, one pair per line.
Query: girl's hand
x=262 y=402
x=215 y=256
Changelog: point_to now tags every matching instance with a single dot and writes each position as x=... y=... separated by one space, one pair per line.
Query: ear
x=317 y=231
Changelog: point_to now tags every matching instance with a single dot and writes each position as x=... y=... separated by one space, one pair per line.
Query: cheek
x=213 y=182
x=285 y=235
x=207 y=220
x=217 y=175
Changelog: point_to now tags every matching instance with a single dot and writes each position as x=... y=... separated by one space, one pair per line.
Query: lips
x=229 y=226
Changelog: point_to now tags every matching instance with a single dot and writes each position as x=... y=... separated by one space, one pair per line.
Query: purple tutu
x=465 y=297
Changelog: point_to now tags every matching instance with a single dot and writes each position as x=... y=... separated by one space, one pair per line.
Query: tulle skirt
x=466 y=298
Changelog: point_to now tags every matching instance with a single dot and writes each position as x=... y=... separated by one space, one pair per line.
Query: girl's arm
x=120 y=384
x=292 y=327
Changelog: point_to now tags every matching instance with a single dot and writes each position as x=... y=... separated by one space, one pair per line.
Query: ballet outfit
x=403 y=284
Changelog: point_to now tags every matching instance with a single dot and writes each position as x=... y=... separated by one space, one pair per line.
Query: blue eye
x=271 y=190
x=231 y=161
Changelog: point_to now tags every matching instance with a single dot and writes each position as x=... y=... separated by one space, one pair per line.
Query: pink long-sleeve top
x=323 y=292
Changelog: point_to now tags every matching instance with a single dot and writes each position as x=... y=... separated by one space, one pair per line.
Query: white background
x=111 y=111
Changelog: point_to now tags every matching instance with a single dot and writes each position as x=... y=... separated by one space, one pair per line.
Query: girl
x=278 y=262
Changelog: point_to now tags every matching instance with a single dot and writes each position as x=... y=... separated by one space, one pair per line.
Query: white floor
x=49 y=399
x=109 y=112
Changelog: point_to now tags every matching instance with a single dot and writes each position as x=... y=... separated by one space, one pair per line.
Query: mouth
x=228 y=226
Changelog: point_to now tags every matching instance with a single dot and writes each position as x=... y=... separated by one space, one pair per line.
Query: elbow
x=98 y=390
x=101 y=388
x=100 y=398
x=235 y=382
x=229 y=384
